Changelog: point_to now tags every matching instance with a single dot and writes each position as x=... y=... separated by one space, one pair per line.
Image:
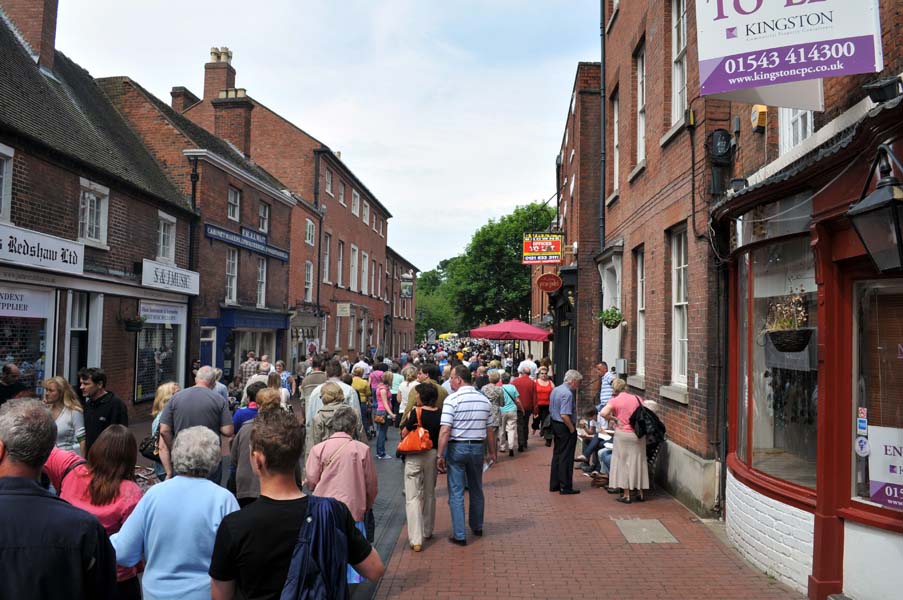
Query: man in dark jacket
x=102 y=407
x=50 y=549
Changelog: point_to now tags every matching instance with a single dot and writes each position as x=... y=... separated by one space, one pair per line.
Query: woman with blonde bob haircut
x=164 y=392
x=67 y=412
x=628 y=458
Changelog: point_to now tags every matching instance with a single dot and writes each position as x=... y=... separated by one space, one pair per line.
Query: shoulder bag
x=646 y=423
x=150 y=447
x=417 y=440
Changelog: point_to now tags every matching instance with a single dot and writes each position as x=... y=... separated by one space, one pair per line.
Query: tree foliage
x=485 y=283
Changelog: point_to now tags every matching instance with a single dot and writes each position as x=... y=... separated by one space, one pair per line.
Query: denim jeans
x=382 y=430
x=465 y=466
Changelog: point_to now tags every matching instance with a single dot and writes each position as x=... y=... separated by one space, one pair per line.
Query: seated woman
x=174 y=525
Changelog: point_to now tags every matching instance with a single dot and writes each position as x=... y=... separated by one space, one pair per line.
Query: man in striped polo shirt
x=467 y=424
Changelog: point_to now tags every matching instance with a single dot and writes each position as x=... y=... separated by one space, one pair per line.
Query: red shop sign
x=549 y=282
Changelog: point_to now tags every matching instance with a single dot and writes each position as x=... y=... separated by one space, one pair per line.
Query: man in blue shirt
x=606 y=377
x=51 y=550
x=562 y=410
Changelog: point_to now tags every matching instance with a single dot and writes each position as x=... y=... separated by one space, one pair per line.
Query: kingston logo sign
x=784 y=41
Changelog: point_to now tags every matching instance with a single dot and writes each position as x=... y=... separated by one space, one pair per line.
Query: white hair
x=207 y=374
x=196 y=452
x=572 y=375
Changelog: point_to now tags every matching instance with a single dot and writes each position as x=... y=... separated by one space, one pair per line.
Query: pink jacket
x=349 y=477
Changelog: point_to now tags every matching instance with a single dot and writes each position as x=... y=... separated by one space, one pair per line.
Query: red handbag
x=417 y=440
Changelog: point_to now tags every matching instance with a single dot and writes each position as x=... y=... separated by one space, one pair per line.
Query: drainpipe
x=192 y=261
x=320 y=232
x=603 y=99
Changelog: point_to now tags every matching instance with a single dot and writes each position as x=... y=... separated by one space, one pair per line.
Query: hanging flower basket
x=611 y=317
x=790 y=340
x=134 y=324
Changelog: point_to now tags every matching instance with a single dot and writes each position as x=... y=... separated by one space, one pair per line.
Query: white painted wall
x=872 y=563
x=776 y=538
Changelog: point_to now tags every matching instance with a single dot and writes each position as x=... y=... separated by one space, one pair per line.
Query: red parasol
x=511 y=330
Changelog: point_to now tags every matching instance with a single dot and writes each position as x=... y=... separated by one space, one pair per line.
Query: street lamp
x=876 y=217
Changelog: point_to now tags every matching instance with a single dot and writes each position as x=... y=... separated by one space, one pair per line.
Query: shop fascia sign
x=24 y=247
x=169 y=277
x=542 y=249
x=746 y=44
x=24 y=303
x=247 y=239
x=162 y=314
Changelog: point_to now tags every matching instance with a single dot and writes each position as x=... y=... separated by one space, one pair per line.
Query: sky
x=451 y=113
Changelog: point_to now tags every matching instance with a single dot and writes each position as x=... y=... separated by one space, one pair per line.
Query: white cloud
x=451 y=113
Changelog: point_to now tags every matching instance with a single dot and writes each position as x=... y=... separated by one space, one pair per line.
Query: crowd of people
x=299 y=493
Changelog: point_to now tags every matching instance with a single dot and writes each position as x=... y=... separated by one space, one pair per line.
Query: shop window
x=262 y=282
x=231 y=275
x=742 y=324
x=233 y=207
x=93 y=212
x=158 y=356
x=879 y=394
x=166 y=237
x=24 y=324
x=6 y=181
x=263 y=217
x=779 y=387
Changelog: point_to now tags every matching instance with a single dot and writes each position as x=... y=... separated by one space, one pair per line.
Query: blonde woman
x=161 y=399
x=628 y=458
x=404 y=390
x=274 y=382
x=68 y=413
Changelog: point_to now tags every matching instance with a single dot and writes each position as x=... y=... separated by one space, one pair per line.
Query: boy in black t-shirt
x=253 y=548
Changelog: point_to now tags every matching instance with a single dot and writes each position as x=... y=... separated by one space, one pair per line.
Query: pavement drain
x=645 y=531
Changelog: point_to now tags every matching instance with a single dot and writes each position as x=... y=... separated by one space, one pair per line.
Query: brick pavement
x=536 y=545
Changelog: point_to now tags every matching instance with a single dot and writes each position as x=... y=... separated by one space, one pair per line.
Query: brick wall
x=775 y=537
x=36 y=21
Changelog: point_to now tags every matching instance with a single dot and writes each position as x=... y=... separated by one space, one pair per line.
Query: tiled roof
x=66 y=112
x=200 y=136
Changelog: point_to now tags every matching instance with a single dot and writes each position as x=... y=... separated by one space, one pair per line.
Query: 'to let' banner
x=754 y=43
x=542 y=249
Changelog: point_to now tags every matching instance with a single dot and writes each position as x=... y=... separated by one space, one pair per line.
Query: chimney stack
x=218 y=73
x=36 y=21
x=232 y=118
x=182 y=98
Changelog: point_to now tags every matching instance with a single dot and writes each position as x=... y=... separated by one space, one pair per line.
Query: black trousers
x=523 y=428
x=561 y=476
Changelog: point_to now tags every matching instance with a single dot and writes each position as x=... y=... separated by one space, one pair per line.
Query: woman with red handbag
x=420 y=468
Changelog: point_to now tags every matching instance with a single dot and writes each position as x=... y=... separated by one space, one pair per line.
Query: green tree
x=488 y=282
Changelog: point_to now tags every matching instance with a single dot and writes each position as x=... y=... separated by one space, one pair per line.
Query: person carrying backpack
x=286 y=544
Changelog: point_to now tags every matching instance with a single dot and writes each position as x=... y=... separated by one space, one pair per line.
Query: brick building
x=94 y=232
x=345 y=242
x=401 y=283
x=241 y=245
x=761 y=429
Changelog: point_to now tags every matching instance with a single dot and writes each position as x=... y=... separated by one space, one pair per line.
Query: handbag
x=417 y=440
x=150 y=447
x=646 y=423
x=379 y=419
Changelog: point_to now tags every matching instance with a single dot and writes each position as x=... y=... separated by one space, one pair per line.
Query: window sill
x=165 y=261
x=678 y=393
x=330 y=193
x=611 y=19
x=94 y=244
x=612 y=198
x=233 y=219
x=637 y=381
x=311 y=244
x=672 y=133
x=639 y=168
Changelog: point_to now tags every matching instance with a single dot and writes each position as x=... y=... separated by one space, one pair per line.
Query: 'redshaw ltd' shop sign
x=25 y=247
x=753 y=43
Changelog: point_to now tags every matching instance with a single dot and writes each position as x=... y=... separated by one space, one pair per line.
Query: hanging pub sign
x=542 y=249
x=548 y=282
x=886 y=466
x=754 y=43
x=406 y=289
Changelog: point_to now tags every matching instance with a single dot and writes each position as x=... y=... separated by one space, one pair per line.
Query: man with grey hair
x=50 y=549
x=197 y=405
x=562 y=410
